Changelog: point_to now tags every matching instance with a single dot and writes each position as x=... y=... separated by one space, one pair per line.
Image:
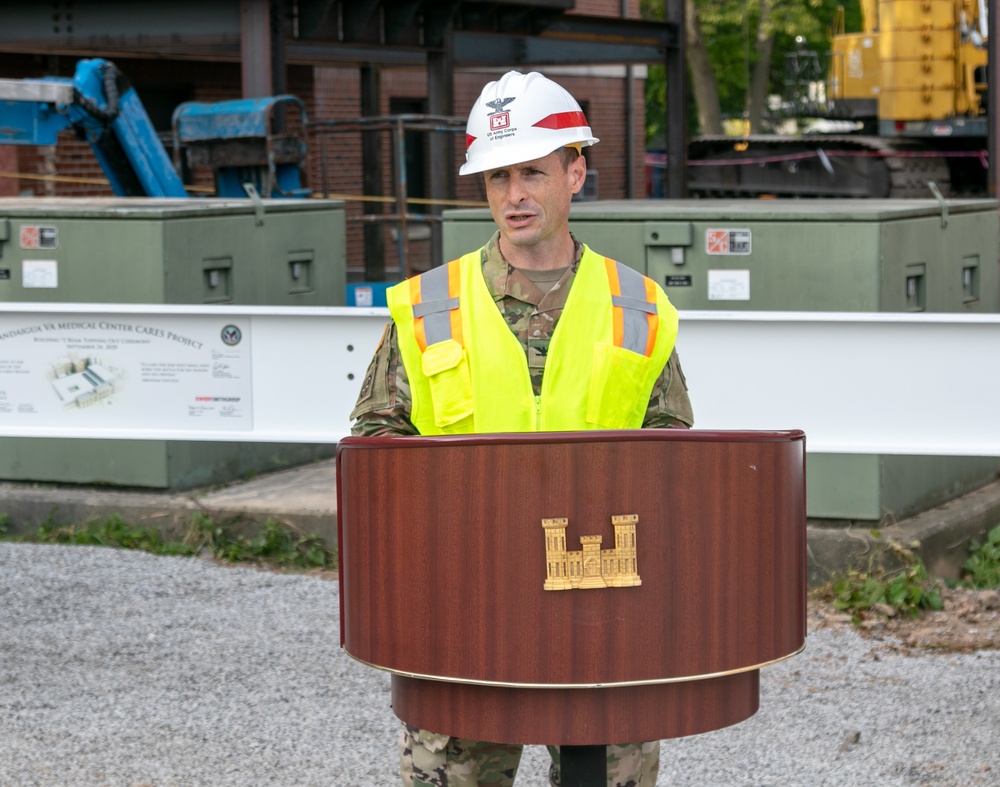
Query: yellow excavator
x=911 y=90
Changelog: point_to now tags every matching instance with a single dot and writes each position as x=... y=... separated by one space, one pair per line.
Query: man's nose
x=516 y=190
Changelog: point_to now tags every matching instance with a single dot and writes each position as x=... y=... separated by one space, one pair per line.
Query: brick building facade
x=334 y=92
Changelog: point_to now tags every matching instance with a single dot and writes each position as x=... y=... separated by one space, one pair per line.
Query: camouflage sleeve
x=669 y=405
x=383 y=406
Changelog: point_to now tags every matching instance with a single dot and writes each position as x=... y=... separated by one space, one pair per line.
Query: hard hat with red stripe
x=522 y=117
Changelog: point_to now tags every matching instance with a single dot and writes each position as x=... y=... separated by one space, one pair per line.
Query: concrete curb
x=26 y=509
x=941 y=536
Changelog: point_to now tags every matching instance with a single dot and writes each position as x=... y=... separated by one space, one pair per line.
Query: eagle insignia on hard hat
x=498 y=117
x=498 y=104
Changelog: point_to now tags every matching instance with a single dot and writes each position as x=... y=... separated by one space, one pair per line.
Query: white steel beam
x=921 y=384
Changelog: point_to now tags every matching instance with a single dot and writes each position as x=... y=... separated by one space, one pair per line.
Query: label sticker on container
x=40 y=273
x=364 y=296
x=35 y=236
x=727 y=241
x=678 y=281
x=728 y=285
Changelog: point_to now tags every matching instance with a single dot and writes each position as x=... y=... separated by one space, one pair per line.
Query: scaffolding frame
x=402 y=217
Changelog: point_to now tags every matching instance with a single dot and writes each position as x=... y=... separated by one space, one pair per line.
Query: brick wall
x=335 y=158
x=606 y=8
x=329 y=93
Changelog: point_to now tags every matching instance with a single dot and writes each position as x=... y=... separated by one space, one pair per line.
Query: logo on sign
x=499 y=121
x=231 y=335
x=33 y=236
x=717 y=241
x=722 y=242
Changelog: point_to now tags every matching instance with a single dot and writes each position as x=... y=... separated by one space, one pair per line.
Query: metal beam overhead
x=94 y=20
x=611 y=30
x=393 y=32
x=490 y=50
x=437 y=20
x=309 y=15
x=401 y=24
x=359 y=20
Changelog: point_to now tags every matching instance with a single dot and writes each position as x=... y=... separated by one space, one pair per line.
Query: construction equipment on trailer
x=913 y=83
x=245 y=141
x=241 y=139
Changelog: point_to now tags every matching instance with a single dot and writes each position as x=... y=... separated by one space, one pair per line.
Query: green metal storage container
x=809 y=255
x=166 y=251
x=190 y=251
x=790 y=255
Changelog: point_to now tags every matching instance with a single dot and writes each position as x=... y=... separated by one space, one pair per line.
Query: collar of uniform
x=498 y=273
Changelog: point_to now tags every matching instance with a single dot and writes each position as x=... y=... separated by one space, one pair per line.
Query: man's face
x=530 y=201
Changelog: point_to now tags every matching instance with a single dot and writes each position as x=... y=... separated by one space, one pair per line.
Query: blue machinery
x=237 y=139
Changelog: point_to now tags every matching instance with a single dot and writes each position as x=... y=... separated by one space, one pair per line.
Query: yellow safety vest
x=469 y=373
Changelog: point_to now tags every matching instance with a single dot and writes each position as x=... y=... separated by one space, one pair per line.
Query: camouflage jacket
x=383 y=406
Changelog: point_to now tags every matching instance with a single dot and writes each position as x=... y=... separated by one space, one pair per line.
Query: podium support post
x=583 y=766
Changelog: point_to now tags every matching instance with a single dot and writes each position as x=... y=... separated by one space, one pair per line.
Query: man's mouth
x=519 y=218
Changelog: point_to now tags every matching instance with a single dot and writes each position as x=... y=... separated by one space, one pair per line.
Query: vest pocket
x=618 y=379
x=447 y=369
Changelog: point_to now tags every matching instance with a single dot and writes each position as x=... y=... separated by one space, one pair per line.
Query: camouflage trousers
x=428 y=759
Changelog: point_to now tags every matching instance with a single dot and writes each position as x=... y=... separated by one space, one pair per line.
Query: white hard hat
x=521 y=117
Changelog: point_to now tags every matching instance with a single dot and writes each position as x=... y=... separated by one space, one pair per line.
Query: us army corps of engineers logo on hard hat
x=499 y=119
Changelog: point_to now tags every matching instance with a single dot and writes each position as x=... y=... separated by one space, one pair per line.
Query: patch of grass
x=895 y=582
x=275 y=545
x=982 y=569
x=112 y=532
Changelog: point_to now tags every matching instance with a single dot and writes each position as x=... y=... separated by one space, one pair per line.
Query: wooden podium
x=577 y=588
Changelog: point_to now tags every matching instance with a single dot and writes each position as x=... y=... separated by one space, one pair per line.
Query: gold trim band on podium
x=682 y=679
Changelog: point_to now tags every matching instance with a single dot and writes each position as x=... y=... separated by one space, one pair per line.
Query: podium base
x=576 y=717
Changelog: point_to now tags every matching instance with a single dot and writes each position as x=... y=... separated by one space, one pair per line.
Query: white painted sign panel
x=726 y=285
x=40 y=274
x=125 y=371
x=919 y=384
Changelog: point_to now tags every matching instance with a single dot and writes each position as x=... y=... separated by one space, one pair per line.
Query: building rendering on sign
x=591 y=566
x=83 y=382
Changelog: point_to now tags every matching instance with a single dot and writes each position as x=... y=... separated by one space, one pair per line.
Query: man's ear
x=577 y=171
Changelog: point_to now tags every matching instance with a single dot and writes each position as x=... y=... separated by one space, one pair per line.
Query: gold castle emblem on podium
x=591 y=567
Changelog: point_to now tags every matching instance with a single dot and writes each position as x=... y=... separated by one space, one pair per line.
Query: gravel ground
x=125 y=669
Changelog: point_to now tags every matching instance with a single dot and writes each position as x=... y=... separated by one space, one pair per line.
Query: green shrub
x=895 y=582
x=982 y=569
x=275 y=545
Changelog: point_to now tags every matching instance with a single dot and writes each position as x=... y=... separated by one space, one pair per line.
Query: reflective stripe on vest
x=436 y=315
x=436 y=303
x=633 y=298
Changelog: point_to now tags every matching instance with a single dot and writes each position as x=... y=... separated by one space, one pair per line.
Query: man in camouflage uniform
x=531 y=298
x=383 y=407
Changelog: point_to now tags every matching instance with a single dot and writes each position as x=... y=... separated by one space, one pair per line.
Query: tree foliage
x=730 y=30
